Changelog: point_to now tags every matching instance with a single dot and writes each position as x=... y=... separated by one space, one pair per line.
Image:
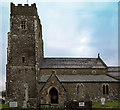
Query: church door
x=53 y=96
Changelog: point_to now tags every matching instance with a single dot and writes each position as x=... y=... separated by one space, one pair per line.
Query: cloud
x=80 y=29
x=3 y=42
x=1 y=53
x=76 y=46
x=2 y=65
x=82 y=47
x=2 y=82
x=61 y=31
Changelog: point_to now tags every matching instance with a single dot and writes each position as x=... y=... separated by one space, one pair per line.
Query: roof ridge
x=68 y=58
x=114 y=66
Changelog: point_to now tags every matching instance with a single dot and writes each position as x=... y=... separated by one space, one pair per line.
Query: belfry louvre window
x=23 y=24
x=105 y=89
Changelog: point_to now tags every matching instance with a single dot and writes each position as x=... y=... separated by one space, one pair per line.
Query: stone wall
x=21 y=46
x=24 y=52
x=93 y=91
x=15 y=24
x=17 y=77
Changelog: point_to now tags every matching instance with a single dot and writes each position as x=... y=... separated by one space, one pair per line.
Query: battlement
x=24 y=9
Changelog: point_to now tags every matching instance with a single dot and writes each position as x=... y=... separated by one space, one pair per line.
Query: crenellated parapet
x=24 y=9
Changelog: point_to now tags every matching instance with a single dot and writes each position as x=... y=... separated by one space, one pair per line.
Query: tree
x=3 y=93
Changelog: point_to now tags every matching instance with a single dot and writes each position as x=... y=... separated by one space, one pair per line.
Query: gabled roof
x=45 y=78
x=80 y=78
x=72 y=63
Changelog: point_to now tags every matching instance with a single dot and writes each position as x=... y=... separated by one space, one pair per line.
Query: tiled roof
x=72 y=63
x=84 y=78
x=80 y=78
x=114 y=75
x=114 y=72
x=114 y=69
x=44 y=78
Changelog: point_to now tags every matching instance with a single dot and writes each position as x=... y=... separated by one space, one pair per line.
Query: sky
x=71 y=28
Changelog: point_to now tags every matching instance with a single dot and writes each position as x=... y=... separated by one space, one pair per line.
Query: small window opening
x=23 y=24
x=23 y=59
x=39 y=34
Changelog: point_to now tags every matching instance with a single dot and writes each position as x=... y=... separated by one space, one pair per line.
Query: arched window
x=105 y=89
x=80 y=90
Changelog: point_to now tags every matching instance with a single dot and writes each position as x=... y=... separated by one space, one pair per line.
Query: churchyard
x=109 y=105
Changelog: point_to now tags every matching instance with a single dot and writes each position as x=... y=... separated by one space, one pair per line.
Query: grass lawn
x=4 y=105
x=113 y=104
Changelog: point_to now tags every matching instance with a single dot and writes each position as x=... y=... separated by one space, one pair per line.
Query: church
x=35 y=79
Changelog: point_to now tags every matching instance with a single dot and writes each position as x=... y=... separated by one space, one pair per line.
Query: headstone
x=81 y=104
x=102 y=101
x=24 y=104
x=13 y=104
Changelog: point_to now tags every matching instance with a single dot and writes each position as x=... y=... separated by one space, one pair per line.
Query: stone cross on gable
x=27 y=1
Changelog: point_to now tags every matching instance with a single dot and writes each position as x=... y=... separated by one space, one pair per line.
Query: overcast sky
x=70 y=29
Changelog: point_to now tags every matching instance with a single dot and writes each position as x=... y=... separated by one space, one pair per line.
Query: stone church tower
x=36 y=80
x=25 y=50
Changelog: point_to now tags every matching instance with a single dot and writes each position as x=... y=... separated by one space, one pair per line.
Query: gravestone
x=13 y=104
x=78 y=105
x=102 y=101
x=24 y=104
x=81 y=104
